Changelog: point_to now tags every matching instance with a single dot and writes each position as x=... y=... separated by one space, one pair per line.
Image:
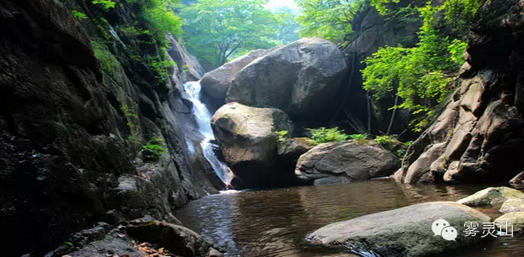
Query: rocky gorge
x=102 y=148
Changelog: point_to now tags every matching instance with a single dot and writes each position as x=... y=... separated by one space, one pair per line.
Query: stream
x=274 y=222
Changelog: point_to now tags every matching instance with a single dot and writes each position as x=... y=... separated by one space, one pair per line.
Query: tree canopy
x=214 y=30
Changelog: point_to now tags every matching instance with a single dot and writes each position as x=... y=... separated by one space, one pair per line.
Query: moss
x=282 y=135
x=108 y=62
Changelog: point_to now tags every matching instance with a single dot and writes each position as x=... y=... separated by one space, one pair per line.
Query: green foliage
x=408 y=143
x=460 y=14
x=161 y=17
x=380 y=5
x=286 y=27
x=324 y=135
x=68 y=244
x=160 y=66
x=154 y=149
x=329 y=19
x=282 y=135
x=108 y=62
x=400 y=153
x=79 y=15
x=418 y=75
x=385 y=140
x=359 y=136
x=133 y=31
x=107 y=4
x=131 y=118
x=214 y=30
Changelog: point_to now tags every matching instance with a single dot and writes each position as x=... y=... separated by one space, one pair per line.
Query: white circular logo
x=438 y=225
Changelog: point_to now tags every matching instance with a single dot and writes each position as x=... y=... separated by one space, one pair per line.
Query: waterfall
x=203 y=116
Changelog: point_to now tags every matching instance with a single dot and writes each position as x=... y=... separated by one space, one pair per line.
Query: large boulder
x=346 y=161
x=406 y=231
x=216 y=83
x=301 y=79
x=248 y=142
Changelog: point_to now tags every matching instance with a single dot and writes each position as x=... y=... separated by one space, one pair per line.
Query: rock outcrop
x=72 y=128
x=401 y=232
x=139 y=238
x=301 y=79
x=344 y=162
x=216 y=83
x=481 y=128
x=248 y=142
x=514 y=221
x=492 y=197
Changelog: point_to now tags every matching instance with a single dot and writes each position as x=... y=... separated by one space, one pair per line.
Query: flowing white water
x=203 y=119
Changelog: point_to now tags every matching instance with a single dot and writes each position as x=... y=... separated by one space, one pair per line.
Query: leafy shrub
x=159 y=15
x=79 y=15
x=420 y=75
x=324 y=135
x=358 y=136
x=282 y=135
x=154 y=149
x=107 y=4
x=160 y=66
x=401 y=152
x=384 y=140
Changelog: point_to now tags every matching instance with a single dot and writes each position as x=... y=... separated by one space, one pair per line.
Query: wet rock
x=401 y=232
x=290 y=150
x=453 y=171
x=512 y=205
x=301 y=79
x=137 y=238
x=177 y=239
x=419 y=170
x=492 y=196
x=352 y=160
x=471 y=93
x=113 y=243
x=513 y=220
x=331 y=180
x=518 y=180
x=248 y=141
x=216 y=83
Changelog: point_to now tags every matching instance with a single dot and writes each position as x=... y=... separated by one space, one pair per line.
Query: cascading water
x=203 y=119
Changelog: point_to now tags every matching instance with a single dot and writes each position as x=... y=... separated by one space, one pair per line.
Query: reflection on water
x=274 y=222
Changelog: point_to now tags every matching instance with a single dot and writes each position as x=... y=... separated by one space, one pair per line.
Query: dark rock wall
x=71 y=133
x=479 y=136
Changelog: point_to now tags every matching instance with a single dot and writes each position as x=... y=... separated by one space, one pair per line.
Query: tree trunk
x=368 y=100
x=393 y=115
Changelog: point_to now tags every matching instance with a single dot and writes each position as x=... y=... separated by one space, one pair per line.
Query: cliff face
x=479 y=136
x=72 y=129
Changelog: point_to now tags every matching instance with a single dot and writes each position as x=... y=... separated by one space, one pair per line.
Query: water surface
x=275 y=222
